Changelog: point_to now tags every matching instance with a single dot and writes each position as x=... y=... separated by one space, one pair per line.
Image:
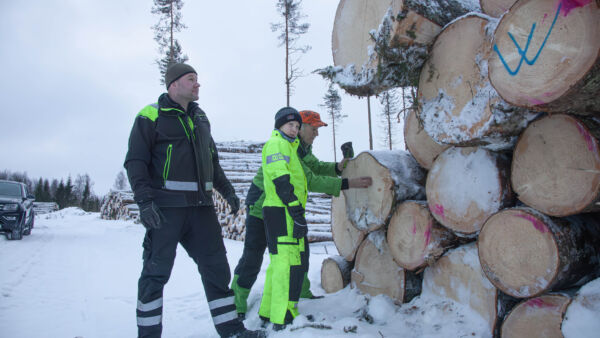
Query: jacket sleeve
x=319 y=167
x=220 y=182
x=138 y=158
x=323 y=184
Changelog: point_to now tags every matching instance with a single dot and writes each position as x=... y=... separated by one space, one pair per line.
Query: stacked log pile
x=506 y=128
x=44 y=207
x=119 y=204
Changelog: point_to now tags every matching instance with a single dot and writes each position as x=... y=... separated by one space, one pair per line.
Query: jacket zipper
x=167 y=164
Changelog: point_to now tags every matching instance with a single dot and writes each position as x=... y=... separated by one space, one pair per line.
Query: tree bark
x=457 y=275
x=414 y=237
x=346 y=237
x=419 y=143
x=467 y=185
x=556 y=166
x=457 y=104
x=495 y=8
x=375 y=272
x=537 y=317
x=335 y=274
x=396 y=177
x=404 y=31
x=547 y=56
x=525 y=253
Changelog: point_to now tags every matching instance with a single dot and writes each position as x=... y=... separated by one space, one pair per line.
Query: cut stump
x=335 y=274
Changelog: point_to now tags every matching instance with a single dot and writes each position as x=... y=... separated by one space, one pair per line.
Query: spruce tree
x=290 y=30
x=39 y=190
x=59 y=195
x=46 y=195
x=169 y=23
x=333 y=106
x=390 y=104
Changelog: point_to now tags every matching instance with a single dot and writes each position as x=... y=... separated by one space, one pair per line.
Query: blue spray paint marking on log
x=522 y=52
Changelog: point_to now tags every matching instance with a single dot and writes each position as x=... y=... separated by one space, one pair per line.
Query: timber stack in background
x=498 y=197
x=240 y=161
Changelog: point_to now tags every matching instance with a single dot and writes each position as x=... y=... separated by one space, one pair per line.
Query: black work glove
x=150 y=215
x=234 y=202
x=300 y=227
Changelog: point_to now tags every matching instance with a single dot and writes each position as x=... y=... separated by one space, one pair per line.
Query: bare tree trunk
x=370 y=130
x=333 y=132
x=287 y=56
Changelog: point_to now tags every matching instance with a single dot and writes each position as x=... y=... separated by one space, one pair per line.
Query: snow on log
x=396 y=177
x=581 y=317
x=375 y=272
x=380 y=44
x=457 y=275
x=537 y=317
x=546 y=56
x=457 y=103
x=414 y=237
x=346 y=237
x=525 y=253
x=419 y=143
x=335 y=274
x=495 y=8
x=467 y=185
x=556 y=166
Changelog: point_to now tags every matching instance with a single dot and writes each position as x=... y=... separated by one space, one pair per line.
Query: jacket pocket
x=167 y=166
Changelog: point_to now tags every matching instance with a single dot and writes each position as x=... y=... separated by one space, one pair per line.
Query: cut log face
x=556 y=167
x=375 y=272
x=465 y=186
x=547 y=56
x=414 y=237
x=457 y=275
x=396 y=177
x=335 y=274
x=525 y=253
x=346 y=237
x=495 y=8
x=354 y=20
x=457 y=103
x=419 y=143
x=537 y=317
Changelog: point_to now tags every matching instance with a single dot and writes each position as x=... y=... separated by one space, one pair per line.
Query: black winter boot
x=249 y=334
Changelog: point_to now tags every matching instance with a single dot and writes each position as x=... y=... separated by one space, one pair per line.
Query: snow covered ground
x=76 y=276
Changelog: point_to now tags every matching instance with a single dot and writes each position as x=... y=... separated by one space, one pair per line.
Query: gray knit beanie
x=177 y=70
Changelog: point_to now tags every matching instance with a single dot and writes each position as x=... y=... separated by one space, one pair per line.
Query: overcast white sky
x=76 y=72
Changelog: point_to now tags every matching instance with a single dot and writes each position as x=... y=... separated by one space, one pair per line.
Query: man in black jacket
x=173 y=165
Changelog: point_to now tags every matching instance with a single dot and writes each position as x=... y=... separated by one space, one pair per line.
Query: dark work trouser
x=198 y=231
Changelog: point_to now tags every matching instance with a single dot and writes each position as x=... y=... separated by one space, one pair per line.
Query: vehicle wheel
x=17 y=234
x=9 y=235
x=27 y=231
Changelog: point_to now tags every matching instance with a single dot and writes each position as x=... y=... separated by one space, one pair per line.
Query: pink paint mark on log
x=535 y=101
x=414 y=227
x=539 y=303
x=586 y=135
x=428 y=233
x=545 y=16
x=541 y=227
x=548 y=94
x=439 y=210
x=569 y=5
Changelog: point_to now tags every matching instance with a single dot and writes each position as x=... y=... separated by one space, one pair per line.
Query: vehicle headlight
x=11 y=207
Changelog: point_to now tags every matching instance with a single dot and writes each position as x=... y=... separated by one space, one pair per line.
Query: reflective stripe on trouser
x=283 y=284
x=198 y=231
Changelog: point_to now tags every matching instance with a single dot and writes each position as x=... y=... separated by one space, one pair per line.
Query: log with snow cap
x=495 y=8
x=467 y=185
x=415 y=238
x=457 y=104
x=546 y=56
x=335 y=273
x=380 y=44
x=396 y=177
x=346 y=237
x=458 y=275
x=526 y=253
x=375 y=272
x=556 y=165
x=419 y=143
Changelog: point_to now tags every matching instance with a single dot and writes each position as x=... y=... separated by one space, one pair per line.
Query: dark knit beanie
x=285 y=115
x=175 y=71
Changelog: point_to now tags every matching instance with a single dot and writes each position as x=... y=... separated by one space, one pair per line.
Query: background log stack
x=507 y=123
x=119 y=204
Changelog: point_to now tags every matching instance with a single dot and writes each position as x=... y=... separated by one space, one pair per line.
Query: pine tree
x=169 y=23
x=290 y=31
x=46 y=195
x=121 y=181
x=333 y=104
x=390 y=104
x=59 y=195
x=39 y=190
x=70 y=198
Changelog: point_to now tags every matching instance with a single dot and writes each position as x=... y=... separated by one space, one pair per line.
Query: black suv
x=16 y=209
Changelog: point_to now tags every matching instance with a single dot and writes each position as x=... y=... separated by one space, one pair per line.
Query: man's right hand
x=150 y=215
x=300 y=226
x=360 y=182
